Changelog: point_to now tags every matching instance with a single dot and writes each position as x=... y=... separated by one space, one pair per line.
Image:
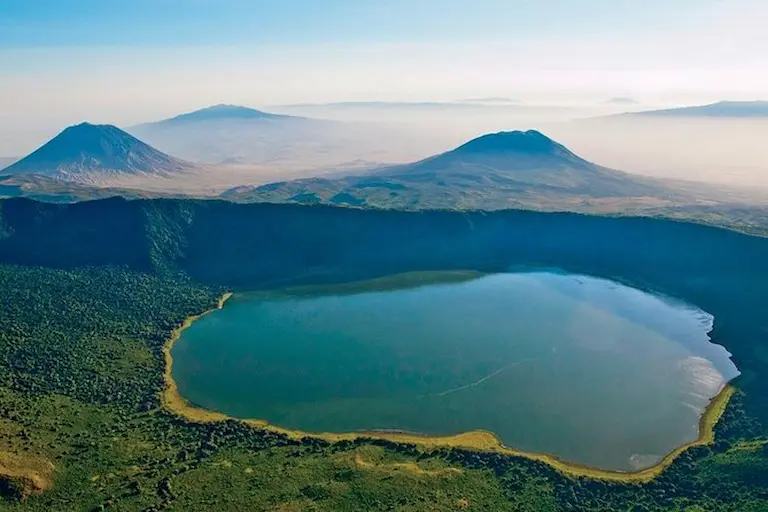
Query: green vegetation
x=92 y=292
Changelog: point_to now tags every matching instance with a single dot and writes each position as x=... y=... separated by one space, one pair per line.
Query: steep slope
x=231 y=244
x=493 y=171
x=88 y=153
x=721 y=109
x=252 y=246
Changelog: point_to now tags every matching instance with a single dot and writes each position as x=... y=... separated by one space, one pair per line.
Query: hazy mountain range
x=496 y=171
x=228 y=134
x=252 y=148
x=238 y=136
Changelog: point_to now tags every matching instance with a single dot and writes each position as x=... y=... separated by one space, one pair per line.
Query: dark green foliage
x=91 y=334
x=81 y=362
x=262 y=245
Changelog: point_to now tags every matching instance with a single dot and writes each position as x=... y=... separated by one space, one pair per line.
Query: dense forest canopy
x=91 y=292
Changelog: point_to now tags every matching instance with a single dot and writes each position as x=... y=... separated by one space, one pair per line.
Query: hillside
x=87 y=153
x=93 y=290
x=521 y=169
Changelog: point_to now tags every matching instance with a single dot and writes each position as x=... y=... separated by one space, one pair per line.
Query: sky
x=128 y=61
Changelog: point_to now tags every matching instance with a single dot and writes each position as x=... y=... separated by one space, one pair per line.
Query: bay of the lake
x=585 y=369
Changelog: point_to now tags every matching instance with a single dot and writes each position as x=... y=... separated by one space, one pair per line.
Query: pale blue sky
x=127 y=61
x=55 y=23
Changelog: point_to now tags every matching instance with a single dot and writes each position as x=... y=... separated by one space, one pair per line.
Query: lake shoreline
x=480 y=440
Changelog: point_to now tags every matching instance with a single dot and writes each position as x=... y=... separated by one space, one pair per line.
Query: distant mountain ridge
x=219 y=112
x=88 y=153
x=733 y=109
x=231 y=134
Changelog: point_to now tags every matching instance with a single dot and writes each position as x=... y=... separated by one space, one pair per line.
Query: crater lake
x=584 y=369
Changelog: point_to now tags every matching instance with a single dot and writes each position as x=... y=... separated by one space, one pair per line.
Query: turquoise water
x=585 y=369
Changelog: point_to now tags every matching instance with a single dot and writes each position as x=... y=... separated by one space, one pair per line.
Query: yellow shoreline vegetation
x=480 y=440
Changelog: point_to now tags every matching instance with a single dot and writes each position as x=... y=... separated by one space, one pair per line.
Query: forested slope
x=92 y=290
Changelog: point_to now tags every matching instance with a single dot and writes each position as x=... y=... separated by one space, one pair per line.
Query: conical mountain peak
x=85 y=152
